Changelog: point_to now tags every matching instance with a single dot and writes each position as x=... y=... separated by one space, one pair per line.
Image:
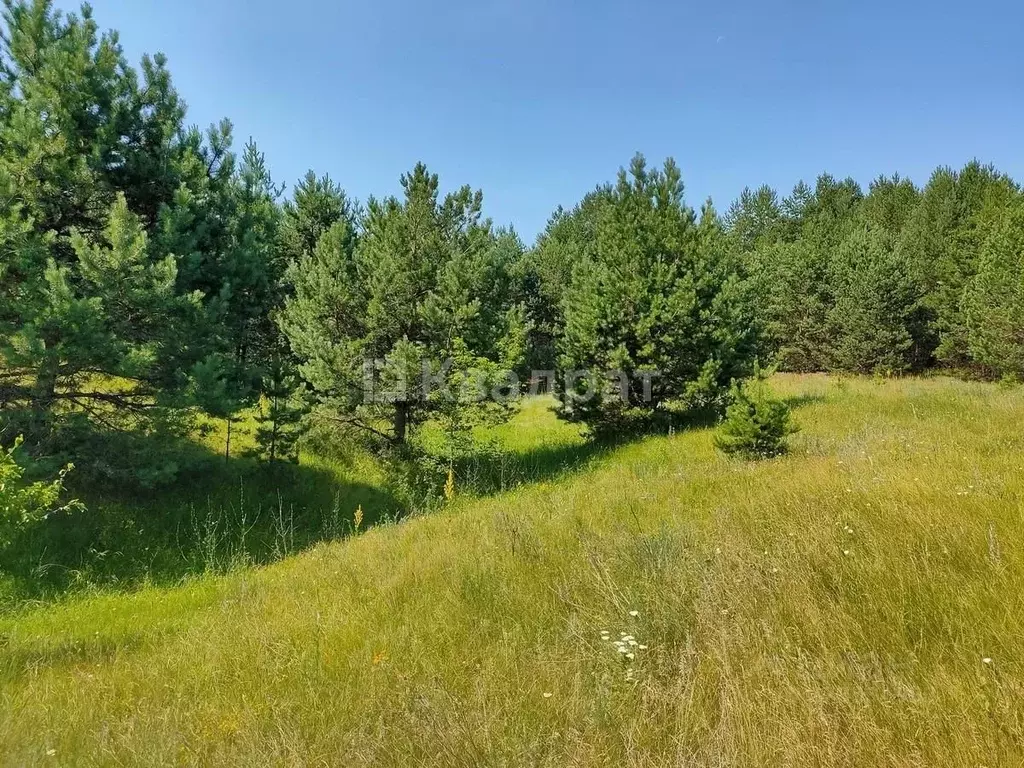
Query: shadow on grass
x=491 y=472
x=216 y=515
x=494 y=471
x=807 y=398
x=220 y=514
x=42 y=652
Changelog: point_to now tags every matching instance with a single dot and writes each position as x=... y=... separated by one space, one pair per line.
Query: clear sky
x=537 y=101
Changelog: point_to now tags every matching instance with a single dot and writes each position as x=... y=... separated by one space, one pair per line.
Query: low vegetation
x=756 y=424
x=857 y=601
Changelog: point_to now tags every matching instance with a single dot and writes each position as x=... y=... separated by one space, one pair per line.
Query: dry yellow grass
x=857 y=602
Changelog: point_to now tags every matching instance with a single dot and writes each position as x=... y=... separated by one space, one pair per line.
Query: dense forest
x=151 y=276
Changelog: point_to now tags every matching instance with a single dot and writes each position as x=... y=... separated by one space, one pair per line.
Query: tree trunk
x=46 y=386
x=43 y=396
x=227 y=443
x=273 y=431
x=401 y=422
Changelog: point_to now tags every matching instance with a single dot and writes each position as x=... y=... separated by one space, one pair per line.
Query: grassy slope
x=831 y=607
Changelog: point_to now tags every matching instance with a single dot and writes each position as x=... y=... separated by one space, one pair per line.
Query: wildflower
x=623 y=649
x=380 y=657
x=357 y=518
x=634 y=614
x=51 y=752
x=449 y=486
x=642 y=647
x=548 y=695
x=986 y=660
x=631 y=656
x=846 y=552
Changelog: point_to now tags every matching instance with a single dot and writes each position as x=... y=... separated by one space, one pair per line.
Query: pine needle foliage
x=756 y=423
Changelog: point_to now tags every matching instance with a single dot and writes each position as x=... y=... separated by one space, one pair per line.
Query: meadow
x=857 y=601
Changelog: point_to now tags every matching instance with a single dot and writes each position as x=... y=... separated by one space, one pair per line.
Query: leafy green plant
x=756 y=424
x=23 y=503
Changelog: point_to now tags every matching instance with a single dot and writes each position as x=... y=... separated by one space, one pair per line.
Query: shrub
x=22 y=503
x=756 y=424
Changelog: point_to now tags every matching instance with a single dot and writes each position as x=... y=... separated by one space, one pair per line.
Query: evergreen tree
x=942 y=242
x=872 y=319
x=546 y=273
x=755 y=219
x=316 y=205
x=409 y=296
x=658 y=295
x=756 y=424
x=133 y=255
x=114 y=311
x=793 y=301
x=251 y=271
x=280 y=412
x=993 y=302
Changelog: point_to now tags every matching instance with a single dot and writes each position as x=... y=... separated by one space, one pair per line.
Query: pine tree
x=876 y=300
x=316 y=205
x=755 y=219
x=658 y=297
x=794 y=298
x=115 y=310
x=546 y=273
x=251 y=271
x=942 y=243
x=366 y=320
x=133 y=253
x=281 y=410
x=993 y=303
x=756 y=424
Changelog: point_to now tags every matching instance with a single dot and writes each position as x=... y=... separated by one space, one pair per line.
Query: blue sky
x=536 y=101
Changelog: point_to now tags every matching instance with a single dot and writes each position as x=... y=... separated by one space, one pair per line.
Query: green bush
x=22 y=503
x=756 y=424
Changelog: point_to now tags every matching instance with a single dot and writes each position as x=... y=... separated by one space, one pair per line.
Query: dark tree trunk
x=273 y=432
x=401 y=422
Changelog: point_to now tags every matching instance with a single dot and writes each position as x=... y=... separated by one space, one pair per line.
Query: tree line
x=151 y=275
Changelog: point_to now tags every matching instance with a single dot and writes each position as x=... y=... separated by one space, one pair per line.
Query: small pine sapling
x=756 y=424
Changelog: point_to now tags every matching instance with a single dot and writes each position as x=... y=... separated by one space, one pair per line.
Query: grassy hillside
x=858 y=602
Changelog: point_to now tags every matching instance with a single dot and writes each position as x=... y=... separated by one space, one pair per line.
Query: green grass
x=220 y=514
x=835 y=606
